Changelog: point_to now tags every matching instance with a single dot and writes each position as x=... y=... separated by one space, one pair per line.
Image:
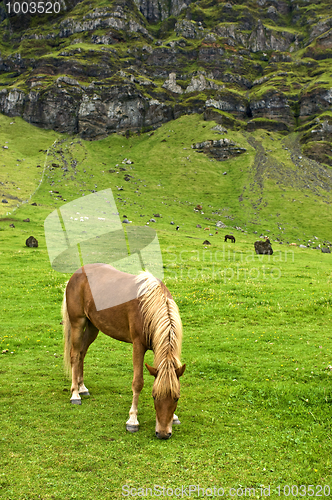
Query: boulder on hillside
x=263 y=247
x=326 y=250
x=31 y=242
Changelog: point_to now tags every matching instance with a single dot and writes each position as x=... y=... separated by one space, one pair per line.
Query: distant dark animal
x=206 y=242
x=198 y=207
x=263 y=247
x=229 y=237
x=177 y=228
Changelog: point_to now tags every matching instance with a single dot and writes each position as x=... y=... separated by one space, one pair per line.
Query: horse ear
x=180 y=371
x=153 y=371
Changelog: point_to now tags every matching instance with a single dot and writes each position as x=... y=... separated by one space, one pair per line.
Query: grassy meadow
x=255 y=404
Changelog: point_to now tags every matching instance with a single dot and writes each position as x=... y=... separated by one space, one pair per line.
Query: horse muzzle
x=163 y=435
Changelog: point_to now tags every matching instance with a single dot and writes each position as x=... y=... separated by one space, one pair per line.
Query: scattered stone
x=172 y=223
x=302 y=246
x=220 y=129
x=198 y=207
x=199 y=226
x=156 y=215
x=4 y=201
x=11 y=225
x=31 y=242
x=326 y=250
x=220 y=224
x=152 y=220
x=206 y=242
x=26 y=220
x=126 y=221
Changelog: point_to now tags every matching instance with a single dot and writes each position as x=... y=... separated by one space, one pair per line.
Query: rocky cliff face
x=134 y=64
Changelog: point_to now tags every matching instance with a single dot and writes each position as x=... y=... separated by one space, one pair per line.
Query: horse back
x=106 y=297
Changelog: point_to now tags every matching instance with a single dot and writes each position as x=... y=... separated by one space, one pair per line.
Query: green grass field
x=255 y=404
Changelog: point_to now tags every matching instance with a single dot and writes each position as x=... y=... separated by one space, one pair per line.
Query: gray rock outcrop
x=221 y=149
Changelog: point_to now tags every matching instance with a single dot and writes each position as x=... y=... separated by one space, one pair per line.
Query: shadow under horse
x=136 y=309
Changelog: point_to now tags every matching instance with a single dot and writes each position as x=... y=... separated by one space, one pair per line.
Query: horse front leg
x=176 y=420
x=132 y=425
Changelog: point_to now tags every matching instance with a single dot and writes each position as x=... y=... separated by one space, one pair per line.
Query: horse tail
x=66 y=336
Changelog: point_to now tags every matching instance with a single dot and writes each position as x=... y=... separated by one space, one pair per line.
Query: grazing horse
x=229 y=237
x=136 y=309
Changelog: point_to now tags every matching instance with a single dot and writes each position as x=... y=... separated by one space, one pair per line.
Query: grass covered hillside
x=256 y=395
x=95 y=68
x=270 y=188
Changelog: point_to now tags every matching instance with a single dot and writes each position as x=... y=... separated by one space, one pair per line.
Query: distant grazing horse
x=229 y=237
x=139 y=310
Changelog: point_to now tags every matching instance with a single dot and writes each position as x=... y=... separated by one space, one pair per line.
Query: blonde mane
x=163 y=332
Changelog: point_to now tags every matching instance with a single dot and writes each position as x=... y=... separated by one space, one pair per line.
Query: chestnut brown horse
x=135 y=309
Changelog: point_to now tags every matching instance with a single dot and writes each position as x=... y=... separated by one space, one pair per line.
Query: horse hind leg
x=83 y=390
x=83 y=334
x=90 y=335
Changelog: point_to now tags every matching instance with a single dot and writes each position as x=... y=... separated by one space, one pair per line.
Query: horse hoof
x=176 y=422
x=132 y=428
x=76 y=401
x=85 y=393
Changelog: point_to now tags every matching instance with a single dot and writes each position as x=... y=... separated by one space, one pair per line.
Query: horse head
x=165 y=403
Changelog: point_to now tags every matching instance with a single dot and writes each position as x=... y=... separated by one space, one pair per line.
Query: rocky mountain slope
x=130 y=65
